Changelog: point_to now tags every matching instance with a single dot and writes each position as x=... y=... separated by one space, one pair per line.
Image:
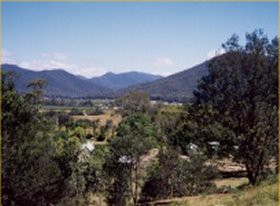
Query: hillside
x=122 y=80
x=60 y=82
x=176 y=87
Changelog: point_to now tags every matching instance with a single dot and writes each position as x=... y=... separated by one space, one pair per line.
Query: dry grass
x=108 y=115
x=257 y=196
x=231 y=182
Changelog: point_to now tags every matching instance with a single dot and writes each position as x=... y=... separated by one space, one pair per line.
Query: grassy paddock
x=262 y=195
x=108 y=115
x=234 y=183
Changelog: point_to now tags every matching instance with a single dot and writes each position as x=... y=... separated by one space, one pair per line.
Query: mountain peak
x=124 y=79
x=108 y=74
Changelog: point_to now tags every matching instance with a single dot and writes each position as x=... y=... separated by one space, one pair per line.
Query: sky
x=92 y=38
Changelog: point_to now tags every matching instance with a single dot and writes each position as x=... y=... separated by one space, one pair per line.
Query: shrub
x=84 y=123
x=173 y=176
x=89 y=136
x=96 y=111
x=75 y=111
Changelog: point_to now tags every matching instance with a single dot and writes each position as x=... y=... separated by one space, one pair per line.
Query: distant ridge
x=64 y=84
x=122 y=80
x=60 y=82
x=177 y=87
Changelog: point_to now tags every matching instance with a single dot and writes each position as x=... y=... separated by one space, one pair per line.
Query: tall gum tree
x=236 y=103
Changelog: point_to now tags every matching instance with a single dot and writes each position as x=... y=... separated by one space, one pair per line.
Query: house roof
x=88 y=145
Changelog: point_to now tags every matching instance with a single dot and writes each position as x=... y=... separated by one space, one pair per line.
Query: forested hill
x=122 y=80
x=176 y=87
x=60 y=82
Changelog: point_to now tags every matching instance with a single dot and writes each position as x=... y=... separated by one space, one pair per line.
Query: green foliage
x=173 y=176
x=89 y=136
x=76 y=111
x=108 y=124
x=182 y=137
x=64 y=120
x=84 y=123
x=36 y=95
x=95 y=111
x=134 y=102
x=169 y=119
x=82 y=171
x=78 y=132
x=134 y=139
x=95 y=125
x=236 y=104
x=30 y=175
x=42 y=166
x=102 y=134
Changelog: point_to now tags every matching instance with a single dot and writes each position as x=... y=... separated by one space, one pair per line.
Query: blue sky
x=93 y=38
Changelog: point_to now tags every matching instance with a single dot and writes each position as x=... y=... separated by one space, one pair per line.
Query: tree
x=36 y=96
x=109 y=125
x=236 y=104
x=169 y=119
x=134 y=102
x=134 y=139
x=40 y=165
x=66 y=154
x=172 y=176
x=102 y=134
x=84 y=123
x=95 y=125
x=30 y=175
x=63 y=120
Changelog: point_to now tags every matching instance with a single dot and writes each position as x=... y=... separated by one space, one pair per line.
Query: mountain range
x=122 y=80
x=64 y=84
x=176 y=87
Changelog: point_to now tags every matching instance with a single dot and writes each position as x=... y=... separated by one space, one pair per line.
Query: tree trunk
x=135 y=192
x=250 y=175
x=131 y=183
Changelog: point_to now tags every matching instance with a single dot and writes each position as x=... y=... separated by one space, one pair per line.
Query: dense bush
x=96 y=111
x=75 y=111
x=30 y=176
x=122 y=166
x=236 y=104
x=84 y=123
x=174 y=176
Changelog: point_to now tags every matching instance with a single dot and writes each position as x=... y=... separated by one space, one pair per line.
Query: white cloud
x=90 y=71
x=54 y=55
x=39 y=65
x=7 y=57
x=163 y=61
x=48 y=61
x=6 y=53
x=214 y=53
x=54 y=60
